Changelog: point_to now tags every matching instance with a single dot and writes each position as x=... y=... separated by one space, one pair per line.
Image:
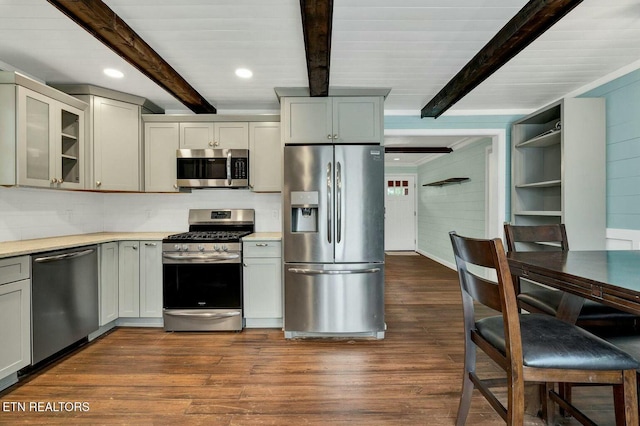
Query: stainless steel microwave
x=213 y=168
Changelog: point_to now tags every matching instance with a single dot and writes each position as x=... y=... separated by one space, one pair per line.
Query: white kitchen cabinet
x=140 y=279
x=128 y=279
x=262 y=283
x=558 y=170
x=42 y=139
x=265 y=157
x=108 y=253
x=15 y=316
x=342 y=119
x=214 y=135
x=150 y=279
x=115 y=143
x=161 y=140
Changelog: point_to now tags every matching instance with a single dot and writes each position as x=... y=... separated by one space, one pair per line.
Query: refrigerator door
x=334 y=299
x=308 y=204
x=359 y=200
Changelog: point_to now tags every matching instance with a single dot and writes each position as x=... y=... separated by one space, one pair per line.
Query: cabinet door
x=36 y=119
x=357 y=119
x=108 y=283
x=161 y=140
x=231 y=135
x=116 y=144
x=196 y=135
x=307 y=120
x=262 y=288
x=150 y=279
x=265 y=157
x=15 y=326
x=128 y=279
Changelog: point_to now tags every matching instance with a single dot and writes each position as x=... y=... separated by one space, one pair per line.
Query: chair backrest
x=555 y=234
x=499 y=295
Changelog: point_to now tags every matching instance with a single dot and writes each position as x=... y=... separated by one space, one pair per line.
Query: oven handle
x=203 y=314
x=215 y=258
x=333 y=271
x=229 y=168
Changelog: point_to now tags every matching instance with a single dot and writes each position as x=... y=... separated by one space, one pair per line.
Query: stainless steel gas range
x=202 y=271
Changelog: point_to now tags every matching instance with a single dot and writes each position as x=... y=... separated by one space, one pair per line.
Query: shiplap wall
x=457 y=207
x=623 y=150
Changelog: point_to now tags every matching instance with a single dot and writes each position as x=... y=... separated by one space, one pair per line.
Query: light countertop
x=24 y=247
x=269 y=236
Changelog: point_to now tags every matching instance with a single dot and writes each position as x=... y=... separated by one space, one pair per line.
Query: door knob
x=98 y=183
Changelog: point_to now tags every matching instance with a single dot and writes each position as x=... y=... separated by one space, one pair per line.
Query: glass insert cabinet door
x=50 y=142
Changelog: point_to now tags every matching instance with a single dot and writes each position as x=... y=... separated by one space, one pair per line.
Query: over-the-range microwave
x=212 y=168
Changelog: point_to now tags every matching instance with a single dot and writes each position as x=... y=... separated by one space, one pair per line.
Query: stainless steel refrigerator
x=333 y=235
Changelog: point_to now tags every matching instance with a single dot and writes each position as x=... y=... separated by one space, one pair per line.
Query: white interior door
x=400 y=212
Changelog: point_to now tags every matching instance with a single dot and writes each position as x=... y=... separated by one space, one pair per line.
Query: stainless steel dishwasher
x=64 y=299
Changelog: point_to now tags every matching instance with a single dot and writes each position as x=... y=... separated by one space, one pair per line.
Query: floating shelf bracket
x=449 y=181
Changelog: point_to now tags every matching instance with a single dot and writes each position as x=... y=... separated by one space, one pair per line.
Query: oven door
x=212 y=168
x=202 y=297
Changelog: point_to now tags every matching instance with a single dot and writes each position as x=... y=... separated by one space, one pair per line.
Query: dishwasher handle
x=63 y=256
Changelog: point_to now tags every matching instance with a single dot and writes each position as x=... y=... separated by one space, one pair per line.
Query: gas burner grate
x=214 y=236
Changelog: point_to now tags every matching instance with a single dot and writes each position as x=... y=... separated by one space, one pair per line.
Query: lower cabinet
x=262 y=283
x=15 y=317
x=108 y=267
x=140 y=279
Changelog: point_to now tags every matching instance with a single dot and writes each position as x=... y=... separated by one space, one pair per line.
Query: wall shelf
x=449 y=181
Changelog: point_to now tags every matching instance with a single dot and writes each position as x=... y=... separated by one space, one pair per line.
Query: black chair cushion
x=548 y=342
x=628 y=343
x=547 y=301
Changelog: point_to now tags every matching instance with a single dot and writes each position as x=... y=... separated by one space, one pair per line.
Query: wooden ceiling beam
x=103 y=23
x=528 y=24
x=316 y=27
x=417 y=150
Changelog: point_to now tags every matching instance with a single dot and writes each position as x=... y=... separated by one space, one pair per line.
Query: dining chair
x=529 y=347
x=535 y=298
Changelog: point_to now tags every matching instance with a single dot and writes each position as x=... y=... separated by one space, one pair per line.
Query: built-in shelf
x=449 y=181
x=547 y=139
x=546 y=184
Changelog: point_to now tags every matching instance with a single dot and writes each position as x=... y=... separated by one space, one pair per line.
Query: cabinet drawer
x=14 y=269
x=262 y=248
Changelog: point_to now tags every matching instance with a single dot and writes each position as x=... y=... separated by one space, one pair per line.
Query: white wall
x=27 y=213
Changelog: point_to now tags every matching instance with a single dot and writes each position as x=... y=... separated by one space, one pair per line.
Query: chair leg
x=564 y=390
x=625 y=400
x=465 y=399
x=547 y=406
x=515 y=401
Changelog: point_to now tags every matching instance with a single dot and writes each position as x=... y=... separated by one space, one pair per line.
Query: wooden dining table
x=611 y=277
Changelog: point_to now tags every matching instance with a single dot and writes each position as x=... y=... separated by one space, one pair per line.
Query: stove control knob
x=216 y=247
x=225 y=248
x=200 y=247
x=185 y=247
x=177 y=247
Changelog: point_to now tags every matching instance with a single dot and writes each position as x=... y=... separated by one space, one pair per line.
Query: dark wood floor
x=148 y=376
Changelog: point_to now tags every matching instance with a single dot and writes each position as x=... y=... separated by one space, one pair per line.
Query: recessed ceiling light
x=244 y=73
x=113 y=73
x=396 y=159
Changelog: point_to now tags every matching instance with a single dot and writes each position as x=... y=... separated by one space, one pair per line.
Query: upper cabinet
x=216 y=135
x=42 y=135
x=558 y=170
x=116 y=145
x=161 y=140
x=340 y=119
x=265 y=157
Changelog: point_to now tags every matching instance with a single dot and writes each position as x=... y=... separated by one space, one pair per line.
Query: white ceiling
x=412 y=46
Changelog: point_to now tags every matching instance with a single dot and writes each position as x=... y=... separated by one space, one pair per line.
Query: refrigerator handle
x=329 y=202
x=338 y=203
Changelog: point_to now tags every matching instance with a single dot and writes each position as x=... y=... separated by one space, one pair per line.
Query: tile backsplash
x=27 y=213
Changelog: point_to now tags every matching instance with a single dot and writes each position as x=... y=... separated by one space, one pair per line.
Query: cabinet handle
x=210 y=143
x=150 y=244
x=262 y=244
x=335 y=136
x=329 y=136
x=98 y=183
x=216 y=143
x=245 y=265
x=54 y=180
x=135 y=247
x=175 y=186
x=60 y=180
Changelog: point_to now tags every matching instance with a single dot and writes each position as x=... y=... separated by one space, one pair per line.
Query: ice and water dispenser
x=304 y=211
